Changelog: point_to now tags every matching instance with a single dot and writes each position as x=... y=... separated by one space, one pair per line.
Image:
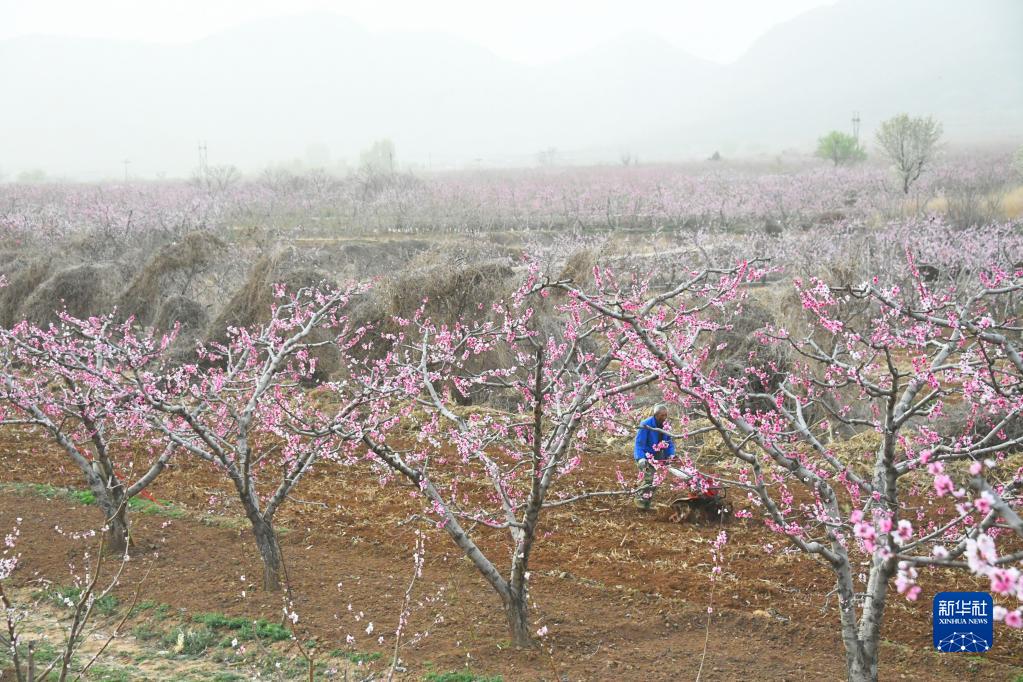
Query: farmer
x=652 y=443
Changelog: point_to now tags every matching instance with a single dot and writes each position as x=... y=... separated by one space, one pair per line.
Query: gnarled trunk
x=516 y=610
x=860 y=645
x=269 y=552
x=859 y=667
x=114 y=505
x=860 y=658
x=118 y=538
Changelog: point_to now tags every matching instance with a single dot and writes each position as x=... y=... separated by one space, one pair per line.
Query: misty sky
x=100 y=88
x=527 y=31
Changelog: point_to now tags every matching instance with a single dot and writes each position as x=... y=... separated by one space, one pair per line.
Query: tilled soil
x=624 y=595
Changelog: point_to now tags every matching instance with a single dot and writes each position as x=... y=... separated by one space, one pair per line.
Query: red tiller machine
x=705 y=501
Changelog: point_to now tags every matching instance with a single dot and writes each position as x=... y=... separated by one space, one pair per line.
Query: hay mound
x=365 y=258
x=579 y=267
x=251 y=305
x=453 y=291
x=183 y=311
x=742 y=349
x=83 y=290
x=172 y=267
x=192 y=319
x=21 y=282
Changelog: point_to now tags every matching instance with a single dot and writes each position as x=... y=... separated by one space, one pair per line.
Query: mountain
x=961 y=62
x=264 y=91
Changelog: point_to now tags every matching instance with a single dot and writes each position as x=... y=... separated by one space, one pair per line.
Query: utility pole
x=202 y=158
x=126 y=162
x=856 y=125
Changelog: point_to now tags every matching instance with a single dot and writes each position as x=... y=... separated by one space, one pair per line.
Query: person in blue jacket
x=652 y=443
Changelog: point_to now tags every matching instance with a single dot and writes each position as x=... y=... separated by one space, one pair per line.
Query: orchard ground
x=623 y=595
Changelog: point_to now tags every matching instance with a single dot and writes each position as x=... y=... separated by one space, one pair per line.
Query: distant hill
x=264 y=91
x=960 y=61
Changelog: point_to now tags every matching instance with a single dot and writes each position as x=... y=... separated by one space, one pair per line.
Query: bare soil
x=624 y=594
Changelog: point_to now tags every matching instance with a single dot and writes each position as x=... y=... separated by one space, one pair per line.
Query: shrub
x=840 y=148
x=189 y=641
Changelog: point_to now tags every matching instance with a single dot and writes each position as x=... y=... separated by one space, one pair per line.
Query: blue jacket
x=647 y=438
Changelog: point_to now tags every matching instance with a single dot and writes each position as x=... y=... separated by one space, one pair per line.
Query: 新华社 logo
x=963 y=621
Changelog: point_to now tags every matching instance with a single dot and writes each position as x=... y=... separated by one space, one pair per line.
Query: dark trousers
x=645 y=495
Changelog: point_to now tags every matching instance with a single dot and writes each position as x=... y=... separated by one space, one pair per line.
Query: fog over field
x=319 y=86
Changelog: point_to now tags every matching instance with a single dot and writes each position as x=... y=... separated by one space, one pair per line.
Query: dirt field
x=624 y=595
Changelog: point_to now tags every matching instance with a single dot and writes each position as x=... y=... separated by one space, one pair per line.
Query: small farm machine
x=704 y=501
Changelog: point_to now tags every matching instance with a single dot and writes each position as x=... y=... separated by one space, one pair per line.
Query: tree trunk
x=858 y=666
x=118 y=534
x=517 y=612
x=110 y=498
x=115 y=515
x=269 y=551
x=860 y=659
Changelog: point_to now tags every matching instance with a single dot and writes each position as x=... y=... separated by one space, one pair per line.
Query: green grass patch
x=275 y=666
x=87 y=497
x=68 y=595
x=48 y=492
x=145 y=632
x=227 y=677
x=158 y=508
x=110 y=673
x=244 y=629
x=43 y=653
x=461 y=676
x=190 y=641
x=82 y=496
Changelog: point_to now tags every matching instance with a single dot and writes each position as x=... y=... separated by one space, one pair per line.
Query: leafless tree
x=910 y=144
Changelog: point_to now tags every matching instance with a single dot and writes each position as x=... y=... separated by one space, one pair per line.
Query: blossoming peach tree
x=242 y=408
x=65 y=379
x=496 y=469
x=935 y=491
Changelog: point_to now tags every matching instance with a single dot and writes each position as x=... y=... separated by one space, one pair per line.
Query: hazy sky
x=529 y=31
x=314 y=92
